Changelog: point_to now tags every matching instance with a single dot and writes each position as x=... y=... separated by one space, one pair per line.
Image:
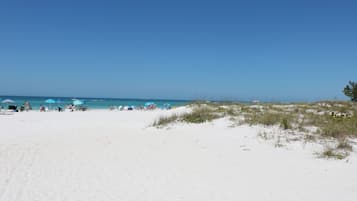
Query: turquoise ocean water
x=91 y=103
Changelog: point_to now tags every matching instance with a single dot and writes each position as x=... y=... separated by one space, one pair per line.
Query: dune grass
x=165 y=120
x=313 y=119
x=199 y=114
x=268 y=118
x=331 y=153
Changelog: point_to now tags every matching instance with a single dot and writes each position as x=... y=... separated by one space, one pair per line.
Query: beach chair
x=12 y=108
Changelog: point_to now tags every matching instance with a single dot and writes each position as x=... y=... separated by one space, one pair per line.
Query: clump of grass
x=344 y=145
x=332 y=153
x=285 y=124
x=309 y=138
x=265 y=118
x=226 y=110
x=313 y=119
x=200 y=115
x=231 y=112
x=269 y=118
x=165 y=120
x=339 y=128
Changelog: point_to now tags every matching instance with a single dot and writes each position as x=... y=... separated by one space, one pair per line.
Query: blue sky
x=270 y=50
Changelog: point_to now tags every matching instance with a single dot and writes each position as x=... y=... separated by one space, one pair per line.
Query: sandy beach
x=118 y=156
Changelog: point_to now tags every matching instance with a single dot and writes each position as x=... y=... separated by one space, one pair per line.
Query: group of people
x=45 y=109
x=69 y=107
x=146 y=107
x=26 y=106
x=123 y=108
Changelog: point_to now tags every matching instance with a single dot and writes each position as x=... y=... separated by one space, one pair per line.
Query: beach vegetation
x=200 y=115
x=331 y=153
x=344 y=145
x=285 y=124
x=309 y=122
x=309 y=138
x=350 y=90
x=165 y=120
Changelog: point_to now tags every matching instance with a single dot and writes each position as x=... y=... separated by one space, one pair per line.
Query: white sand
x=104 y=156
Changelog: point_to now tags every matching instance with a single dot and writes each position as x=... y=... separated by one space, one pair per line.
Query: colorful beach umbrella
x=78 y=102
x=8 y=101
x=50 y=101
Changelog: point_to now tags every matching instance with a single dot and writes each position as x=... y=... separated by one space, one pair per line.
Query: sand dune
x=103 y=155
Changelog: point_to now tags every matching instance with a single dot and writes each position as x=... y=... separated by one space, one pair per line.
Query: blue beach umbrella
x=50 y=101
x=7 y=101
x=78 y=102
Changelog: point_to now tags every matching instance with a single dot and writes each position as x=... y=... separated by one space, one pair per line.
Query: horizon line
x=262 y=100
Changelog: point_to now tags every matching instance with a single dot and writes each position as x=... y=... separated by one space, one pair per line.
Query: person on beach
x=22 y=108
x=42 y=108
x=71 y=107
x=27 y=106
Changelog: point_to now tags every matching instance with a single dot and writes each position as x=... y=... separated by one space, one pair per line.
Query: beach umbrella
x=78 y=102
x=8 y=101
x=50 y=101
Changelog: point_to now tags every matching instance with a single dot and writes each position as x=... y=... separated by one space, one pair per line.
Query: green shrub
x=285 y=124
x=269 y=118
x=339 y=128
x=200 y=115
x=351 y=91
x=331 y=153
x=164 y=121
